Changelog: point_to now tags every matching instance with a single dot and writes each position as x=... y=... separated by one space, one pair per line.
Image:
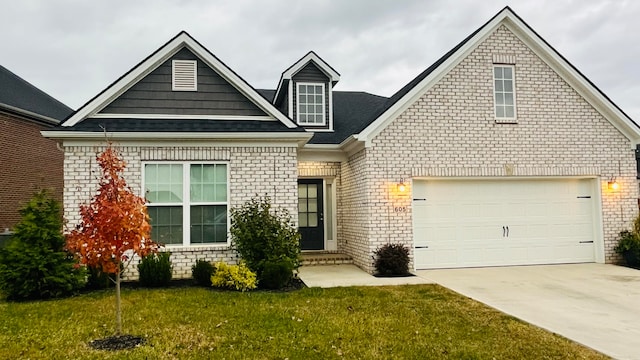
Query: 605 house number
x=400 y=209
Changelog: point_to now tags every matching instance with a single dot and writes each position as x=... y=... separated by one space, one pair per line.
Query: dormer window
x=184 y=75
x=311 y=104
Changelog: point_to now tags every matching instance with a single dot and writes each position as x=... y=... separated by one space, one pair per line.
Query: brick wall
x=28 y=163
x=451 y=132
x=355 y=210
x=253 y=171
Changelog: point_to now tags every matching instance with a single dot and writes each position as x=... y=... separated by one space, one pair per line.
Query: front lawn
x=411 y=322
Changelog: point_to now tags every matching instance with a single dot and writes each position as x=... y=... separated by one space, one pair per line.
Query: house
x=500 y=153
x=29 y=162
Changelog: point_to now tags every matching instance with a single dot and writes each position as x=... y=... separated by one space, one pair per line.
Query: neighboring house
x=28 y=161
x=500 y=153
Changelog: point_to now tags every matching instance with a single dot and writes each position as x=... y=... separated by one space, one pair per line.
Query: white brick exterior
x=451 y=132
x=268 y=170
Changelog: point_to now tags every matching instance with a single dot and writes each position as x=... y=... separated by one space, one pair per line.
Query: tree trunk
x=118 y=304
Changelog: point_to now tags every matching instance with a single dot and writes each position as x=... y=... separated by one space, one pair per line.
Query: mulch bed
x=118 y=342
x=393 y=276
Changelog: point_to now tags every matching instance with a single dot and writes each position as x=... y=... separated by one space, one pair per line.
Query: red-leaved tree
x=114 y=225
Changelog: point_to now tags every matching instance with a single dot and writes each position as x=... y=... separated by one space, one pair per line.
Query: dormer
x=305 y=93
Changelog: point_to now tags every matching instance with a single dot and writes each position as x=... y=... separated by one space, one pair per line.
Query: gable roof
x=19 y=96
x=407 y=95
x=180 y=41
x=310 y=57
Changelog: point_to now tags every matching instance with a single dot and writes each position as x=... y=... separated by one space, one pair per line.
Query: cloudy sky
x=73 y=49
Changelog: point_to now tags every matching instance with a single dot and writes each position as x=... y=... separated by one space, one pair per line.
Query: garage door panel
x=464 y=222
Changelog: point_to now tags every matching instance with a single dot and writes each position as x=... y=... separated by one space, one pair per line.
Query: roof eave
x=30 y=115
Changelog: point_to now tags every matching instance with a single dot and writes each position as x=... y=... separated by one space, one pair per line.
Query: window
x=187 y=202
x=311 y=104
x=504 y=91
x=184 y=75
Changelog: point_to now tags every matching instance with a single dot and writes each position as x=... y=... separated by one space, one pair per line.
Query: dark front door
x=310 y=214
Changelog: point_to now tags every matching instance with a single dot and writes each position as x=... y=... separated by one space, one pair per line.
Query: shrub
x=234 y=277
x=276 y=274
x=155 y=270
x=261 y=235
x=202 y=271
x=34 y=264
x=629 y=247
x=392 y=260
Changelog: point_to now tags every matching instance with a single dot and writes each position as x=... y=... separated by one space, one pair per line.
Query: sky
x=73 y=49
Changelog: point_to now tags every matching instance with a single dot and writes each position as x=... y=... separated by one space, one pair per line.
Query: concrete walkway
x=596 y=305
x=327 y=276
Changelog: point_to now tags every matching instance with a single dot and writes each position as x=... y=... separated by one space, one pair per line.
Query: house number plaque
x=400 y=209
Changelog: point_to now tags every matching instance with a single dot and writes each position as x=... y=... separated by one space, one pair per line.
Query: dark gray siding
x=153 y=94
x=311 y=73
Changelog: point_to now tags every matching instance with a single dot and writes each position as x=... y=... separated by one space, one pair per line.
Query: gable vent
x=185 y=75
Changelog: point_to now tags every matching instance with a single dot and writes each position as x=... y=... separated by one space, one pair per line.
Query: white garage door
x=467 y=223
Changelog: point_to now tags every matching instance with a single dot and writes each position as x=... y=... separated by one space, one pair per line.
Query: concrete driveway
x=596 y=305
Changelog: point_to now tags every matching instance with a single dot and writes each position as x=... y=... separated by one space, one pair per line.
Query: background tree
x=34 y=264
x=114 y=225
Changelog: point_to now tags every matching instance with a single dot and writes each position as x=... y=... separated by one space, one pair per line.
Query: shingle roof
x=17 y=93
x=352 y=112
x=177 y=125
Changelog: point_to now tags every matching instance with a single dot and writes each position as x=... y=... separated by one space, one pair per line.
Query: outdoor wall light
x=401 y=186
x=613 y=184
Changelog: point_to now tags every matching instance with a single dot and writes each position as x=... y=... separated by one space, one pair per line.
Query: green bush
x=155 y=270
x=392 y=260
x=264 y=235
x=276 y=274
x=629 y=247
x=202 y=271
x=34 y=264
x=234 y=277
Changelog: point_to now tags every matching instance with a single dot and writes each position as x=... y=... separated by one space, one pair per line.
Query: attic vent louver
x=185 y=75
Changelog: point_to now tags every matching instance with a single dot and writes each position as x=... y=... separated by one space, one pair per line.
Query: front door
x=310 y=214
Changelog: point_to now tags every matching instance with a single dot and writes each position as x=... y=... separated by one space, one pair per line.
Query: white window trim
x=504 y=119
x=297 y=99
x=186 y=201
x=194 y=64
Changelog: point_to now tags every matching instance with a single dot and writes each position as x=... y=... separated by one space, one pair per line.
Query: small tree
x=114 y=225
x=264 y=237
x=34 y=264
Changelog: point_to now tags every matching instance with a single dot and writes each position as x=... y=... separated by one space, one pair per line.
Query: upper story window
x=504 y=92
x=184 y=75
x=310 y=104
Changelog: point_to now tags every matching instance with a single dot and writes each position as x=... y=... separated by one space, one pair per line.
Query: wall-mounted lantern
x=613 y=184
x=401 y=186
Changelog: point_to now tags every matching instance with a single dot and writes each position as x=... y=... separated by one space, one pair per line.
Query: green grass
x=402 y=322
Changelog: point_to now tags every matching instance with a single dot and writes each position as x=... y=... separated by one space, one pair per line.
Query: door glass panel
x=313 y=220
x=313 y=205
x=302 y=219
x=302 y=205
x=312 y=191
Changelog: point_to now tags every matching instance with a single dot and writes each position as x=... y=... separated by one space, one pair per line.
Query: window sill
x=506 y=121
x=198 y=247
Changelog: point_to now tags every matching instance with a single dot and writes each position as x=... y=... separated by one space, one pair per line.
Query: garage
x=496 y=222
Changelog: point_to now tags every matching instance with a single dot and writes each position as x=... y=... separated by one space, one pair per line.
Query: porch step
x=325 y=258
